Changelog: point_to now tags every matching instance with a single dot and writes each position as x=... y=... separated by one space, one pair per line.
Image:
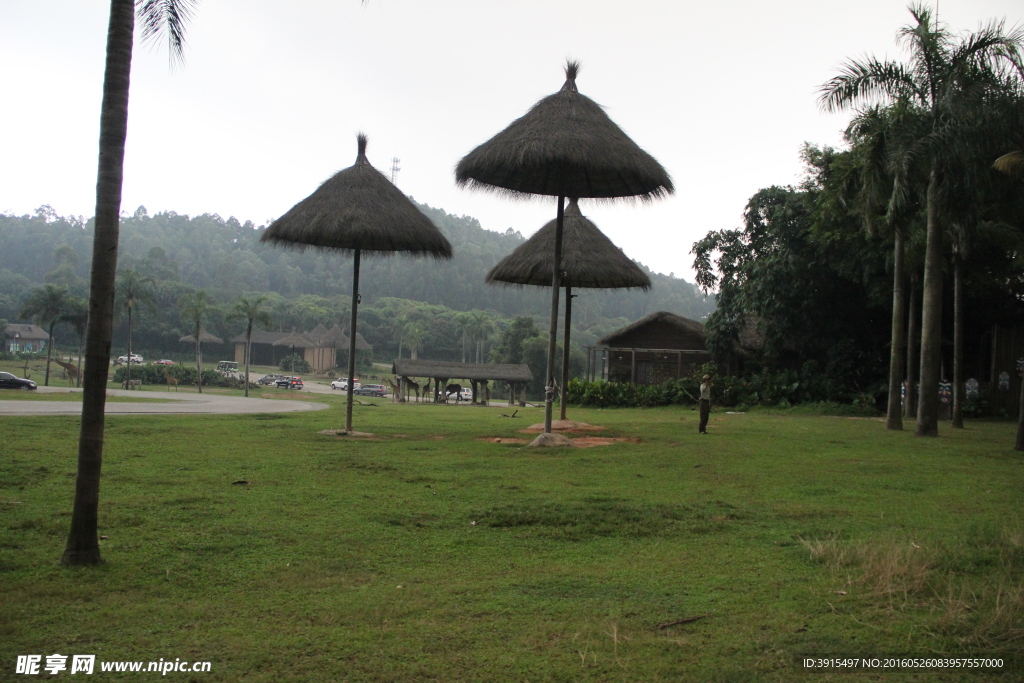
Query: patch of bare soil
x=571 y=426
x=591 y=441
x=501 y=439
x=342 y=432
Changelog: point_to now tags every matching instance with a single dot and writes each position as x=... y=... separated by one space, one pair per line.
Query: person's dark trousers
x=705 y=412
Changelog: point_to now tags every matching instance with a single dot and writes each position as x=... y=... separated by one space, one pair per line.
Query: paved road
x=212 y=404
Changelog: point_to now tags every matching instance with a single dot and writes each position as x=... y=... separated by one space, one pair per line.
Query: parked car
x=227 y=367
x=290 y=383
x=9 y=381
x=123 y=360
x=342 y=384
x=269 y=380
x=371 y=390
x=466 y=394
x=163 y=362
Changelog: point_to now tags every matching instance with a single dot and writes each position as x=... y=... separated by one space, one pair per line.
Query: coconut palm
x=413 y=334
x=463 y=323
x=193 y=308
x=943 y=77
x=45 y=306
x=252 y=312
x=76 y=314
x=159 y=19
x=481 y=327
x=133 y=289
x=1012 y=164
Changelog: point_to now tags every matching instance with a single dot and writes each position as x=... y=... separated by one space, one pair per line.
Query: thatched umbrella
x=589 y=259
x=565 y=146
x=292 y=340
x=358 y=210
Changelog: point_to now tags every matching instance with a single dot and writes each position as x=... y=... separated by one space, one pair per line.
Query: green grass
x=358 y=560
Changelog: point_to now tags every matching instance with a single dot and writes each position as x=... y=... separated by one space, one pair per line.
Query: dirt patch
x=591 y=441
x=563 y=426
x=502 y=439
x=343 y=433
x=436 y=437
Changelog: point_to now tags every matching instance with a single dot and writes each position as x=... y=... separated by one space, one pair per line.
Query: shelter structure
x=479 y=374
x=322 y=354
x=589 y=259
x=656 y=348
x=565 y=146
x=24 y=337
x=358 y=210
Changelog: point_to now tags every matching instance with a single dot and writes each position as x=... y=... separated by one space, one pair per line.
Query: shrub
x=295 y=363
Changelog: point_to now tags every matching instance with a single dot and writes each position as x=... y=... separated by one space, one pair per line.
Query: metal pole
x=556 y=273
x=565 y=351
x=352 y=342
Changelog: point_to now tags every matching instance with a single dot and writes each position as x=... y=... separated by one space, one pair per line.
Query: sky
x=272 y=94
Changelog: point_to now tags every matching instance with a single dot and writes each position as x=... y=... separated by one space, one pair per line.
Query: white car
x=123 y=360
x=466 y=394
x=342 y=384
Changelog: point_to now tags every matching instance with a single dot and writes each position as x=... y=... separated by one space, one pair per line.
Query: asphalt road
x=209 y=404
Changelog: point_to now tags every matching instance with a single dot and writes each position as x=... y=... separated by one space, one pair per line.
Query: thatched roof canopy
x=204 y=338
x=589 y=259
x=358 y=208
x=406 y=367
x=295 y=339
x=565 y=145
x=335 y=336
x=658 y=323
x=317 y=333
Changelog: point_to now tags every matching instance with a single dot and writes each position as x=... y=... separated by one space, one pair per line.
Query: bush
x=186 y=376
x=295 y=363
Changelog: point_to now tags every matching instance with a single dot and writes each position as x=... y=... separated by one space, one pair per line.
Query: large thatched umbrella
x=358 y=210
x=565 y=146
x=292 y=340
x=589 y=259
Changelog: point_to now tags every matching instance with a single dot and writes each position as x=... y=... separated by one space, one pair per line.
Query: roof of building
x=25 y=331
x=684 y=325
x=406 y=367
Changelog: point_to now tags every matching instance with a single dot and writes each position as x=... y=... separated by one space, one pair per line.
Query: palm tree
x=1012 y=164
x=159 y=18
x=413 y=334
x=462 y=326
x=480 y=328
x=252 y=312
x=45 y=305
x=133 y=289
x=943 y=77
x=76 y=314
x=193 y=308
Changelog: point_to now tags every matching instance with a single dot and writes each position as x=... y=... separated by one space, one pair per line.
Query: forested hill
x=226 y=258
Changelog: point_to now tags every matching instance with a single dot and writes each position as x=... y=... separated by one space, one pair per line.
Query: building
x=20 y=337
x=320 y=347
x=654 y=349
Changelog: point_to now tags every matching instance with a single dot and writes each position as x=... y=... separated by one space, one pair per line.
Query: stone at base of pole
x=550 y=440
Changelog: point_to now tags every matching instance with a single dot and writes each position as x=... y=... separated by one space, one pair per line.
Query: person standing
x=705 y=404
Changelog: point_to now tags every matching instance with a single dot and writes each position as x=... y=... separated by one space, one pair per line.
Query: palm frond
x=867 y=83
x=166 y=19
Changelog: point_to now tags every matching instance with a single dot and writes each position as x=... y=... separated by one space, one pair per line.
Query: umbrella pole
x=565 y=352
x=556 y=272
x=352 y=342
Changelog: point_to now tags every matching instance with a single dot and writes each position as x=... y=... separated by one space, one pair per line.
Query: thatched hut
x=355 y=211
x=517 y=376
x=565 y=146
x=656 y=348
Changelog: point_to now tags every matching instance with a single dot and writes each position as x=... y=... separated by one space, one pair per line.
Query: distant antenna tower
x=395 y=168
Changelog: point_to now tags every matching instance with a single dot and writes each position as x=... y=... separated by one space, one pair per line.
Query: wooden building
x=320 y=348
x=654 y=349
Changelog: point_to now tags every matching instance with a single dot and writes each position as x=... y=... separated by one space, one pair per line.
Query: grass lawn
x=425 y=553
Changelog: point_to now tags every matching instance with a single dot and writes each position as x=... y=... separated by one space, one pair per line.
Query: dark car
x=9 y=381
x=290 y=383
x=371 y=390
x=268 y=380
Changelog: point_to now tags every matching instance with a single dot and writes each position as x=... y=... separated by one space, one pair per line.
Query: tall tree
x=159 y=18
x=941 y=76
x=1012 y=163
x=193 y=307
x=76 y=314
x=133 y=290
x=250 y=310
x=46 y=305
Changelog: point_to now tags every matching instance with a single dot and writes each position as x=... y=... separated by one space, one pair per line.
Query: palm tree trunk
x=83 y=543
x=958 y=343
x=128 y=373
x=913 y=318
x=931 y=319
x=79 y=378
x=248 y=350
x=199 y=361
x=1019 y=446
x=49 y=350
x=894 y=418
x=556 y=281
x=463 y=346
x=352 y=342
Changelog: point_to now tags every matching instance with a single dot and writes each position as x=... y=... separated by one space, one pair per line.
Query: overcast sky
x=272 y=94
